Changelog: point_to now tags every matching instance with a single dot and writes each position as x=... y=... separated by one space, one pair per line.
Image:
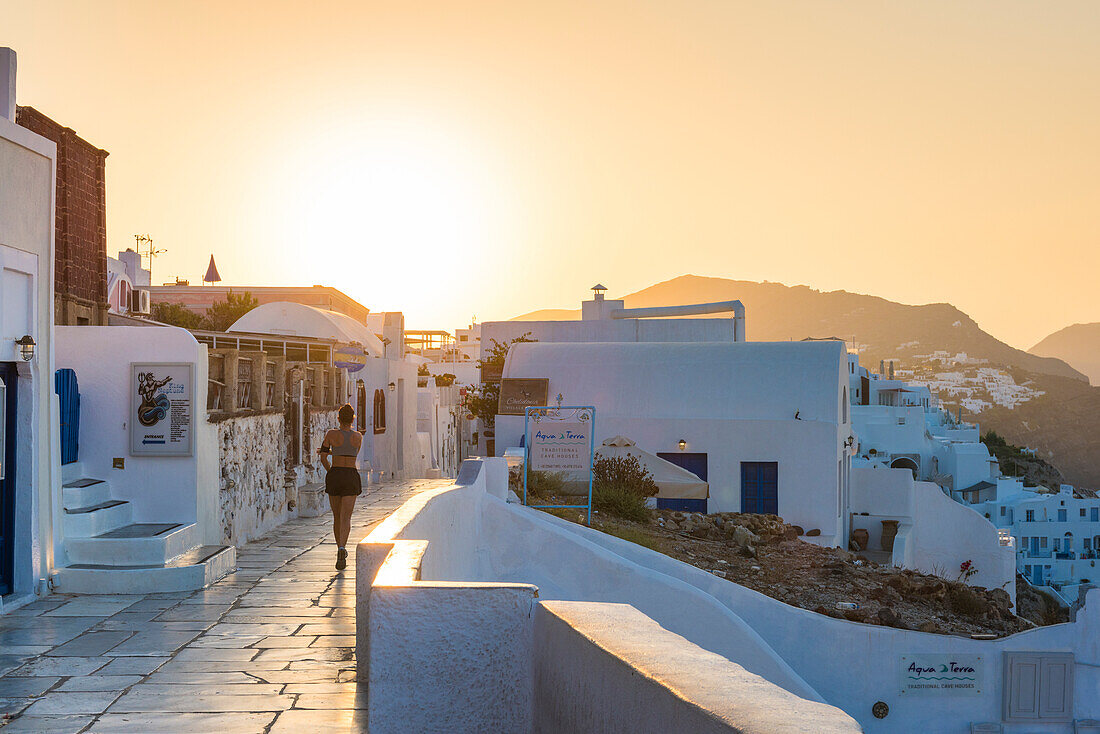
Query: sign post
x=559 y=439
x=162 y=408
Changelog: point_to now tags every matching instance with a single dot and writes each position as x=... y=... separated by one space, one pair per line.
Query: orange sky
x=450 y=159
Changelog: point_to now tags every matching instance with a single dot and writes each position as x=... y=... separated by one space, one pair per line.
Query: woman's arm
x=325 y=452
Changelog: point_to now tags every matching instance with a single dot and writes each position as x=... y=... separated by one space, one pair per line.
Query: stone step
x=196 y=568
x=145 y=544
x=74 y=470
x=84 y=522
x=84 y=492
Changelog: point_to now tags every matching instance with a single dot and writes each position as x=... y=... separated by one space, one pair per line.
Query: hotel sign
x=492 y=372
x=942 y=674
x=518 y=394
x=558 y=445
x=162 y=408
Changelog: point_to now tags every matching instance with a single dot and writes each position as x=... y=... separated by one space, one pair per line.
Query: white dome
x=284 y=318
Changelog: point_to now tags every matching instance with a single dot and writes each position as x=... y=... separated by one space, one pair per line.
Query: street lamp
x=26 y=347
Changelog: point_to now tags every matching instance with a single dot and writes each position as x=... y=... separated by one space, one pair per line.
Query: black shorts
x=343 y=481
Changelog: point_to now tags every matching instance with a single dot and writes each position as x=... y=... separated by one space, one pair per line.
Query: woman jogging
x=342 y=483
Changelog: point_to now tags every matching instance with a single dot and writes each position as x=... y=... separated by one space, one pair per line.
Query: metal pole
x=591 y=456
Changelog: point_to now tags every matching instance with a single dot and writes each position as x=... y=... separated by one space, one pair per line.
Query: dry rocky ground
x=767 y=555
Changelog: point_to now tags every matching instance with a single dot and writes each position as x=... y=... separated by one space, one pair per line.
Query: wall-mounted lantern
x=683 y=444
x=392 y=387
x=26 y=347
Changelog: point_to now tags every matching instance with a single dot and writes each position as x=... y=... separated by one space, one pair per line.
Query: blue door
x=1035 y=546
x=1037 y=575
x=8 y=439
x=68 y=398
x=760 y=487
x=697 y=465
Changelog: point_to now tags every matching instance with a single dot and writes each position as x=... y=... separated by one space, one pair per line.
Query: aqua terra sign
x=942 y=674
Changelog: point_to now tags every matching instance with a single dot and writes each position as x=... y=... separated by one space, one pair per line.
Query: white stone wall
x=252 y=452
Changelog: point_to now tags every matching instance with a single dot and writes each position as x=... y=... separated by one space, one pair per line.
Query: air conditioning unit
x=140 y=302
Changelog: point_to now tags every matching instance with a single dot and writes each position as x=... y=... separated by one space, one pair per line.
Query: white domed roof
x=285 y=318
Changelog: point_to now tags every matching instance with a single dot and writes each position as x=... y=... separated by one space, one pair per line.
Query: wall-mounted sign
x=350 y=357
x=942 y=674
x=162 y=408
x=519 y=394
x=492 y=372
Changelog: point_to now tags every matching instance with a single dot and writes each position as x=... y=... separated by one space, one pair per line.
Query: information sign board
x=162 y=408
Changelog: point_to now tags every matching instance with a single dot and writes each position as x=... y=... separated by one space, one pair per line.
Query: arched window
x=379 y=411
x=904 y=462
x=360 y=406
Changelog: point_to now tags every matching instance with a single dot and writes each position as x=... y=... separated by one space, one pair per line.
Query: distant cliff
x=1078 y=345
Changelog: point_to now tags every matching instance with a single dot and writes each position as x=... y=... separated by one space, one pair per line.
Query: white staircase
x=108 y=553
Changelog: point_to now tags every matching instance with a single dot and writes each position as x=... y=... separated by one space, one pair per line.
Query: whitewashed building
x=767 y=424
x=1057 y=535
x=900 y=425
x=29 y=465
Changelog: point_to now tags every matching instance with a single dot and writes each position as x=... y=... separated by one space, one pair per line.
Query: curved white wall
x=849 y=665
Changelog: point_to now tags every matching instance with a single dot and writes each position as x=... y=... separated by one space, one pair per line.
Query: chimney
x=891 y=369
x=7 y=83
x=882 y=368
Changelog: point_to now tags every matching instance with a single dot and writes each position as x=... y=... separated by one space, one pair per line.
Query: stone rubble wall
x=252 y=453
x=320 y=423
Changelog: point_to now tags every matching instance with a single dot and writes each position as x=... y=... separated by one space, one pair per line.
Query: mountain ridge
x=778 y=312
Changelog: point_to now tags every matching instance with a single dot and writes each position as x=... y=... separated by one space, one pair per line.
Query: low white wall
x=429 y=606
x=450 y=657
x=945 y=534
x=854 y=665
x=610 y=668
x=160 y=488
x=438 y=651
x=517 y=544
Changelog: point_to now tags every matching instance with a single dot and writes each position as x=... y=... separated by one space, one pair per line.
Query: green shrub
x=620 y=502
x=620 y=486
x=543 y=484
x=624 y=472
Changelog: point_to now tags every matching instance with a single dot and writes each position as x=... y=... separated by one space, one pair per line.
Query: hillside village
x=687 y=509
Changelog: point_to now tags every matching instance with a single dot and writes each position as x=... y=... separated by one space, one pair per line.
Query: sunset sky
x=457 y=158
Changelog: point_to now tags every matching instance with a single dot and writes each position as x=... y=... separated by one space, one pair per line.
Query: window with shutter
x=1038 y=686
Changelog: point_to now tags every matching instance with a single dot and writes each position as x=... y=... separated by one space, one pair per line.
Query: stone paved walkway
x=269 y=648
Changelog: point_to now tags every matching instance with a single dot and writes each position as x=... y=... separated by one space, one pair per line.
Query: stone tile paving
x=269 y=648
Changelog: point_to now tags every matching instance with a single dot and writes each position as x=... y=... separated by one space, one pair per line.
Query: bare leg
x=334 y=502
x=347 y=506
